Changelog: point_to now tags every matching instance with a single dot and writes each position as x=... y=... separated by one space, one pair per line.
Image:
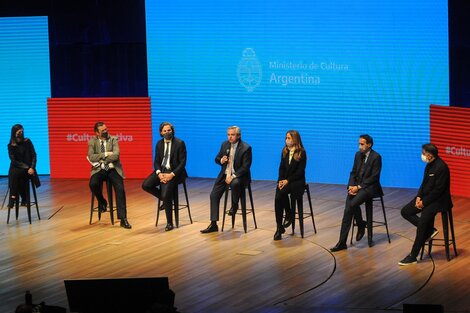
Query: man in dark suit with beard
x=433 y=196
x=235 y=160
x=363 y=185
x=169 y=165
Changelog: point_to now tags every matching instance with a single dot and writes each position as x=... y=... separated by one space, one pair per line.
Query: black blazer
x=241 y=164
x=177 y=157
x=370 y=181
x=22 y=155
x=436 y=185
x=293 y=172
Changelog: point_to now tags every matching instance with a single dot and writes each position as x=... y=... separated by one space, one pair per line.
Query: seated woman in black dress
x=291 y=180
x=23 y=163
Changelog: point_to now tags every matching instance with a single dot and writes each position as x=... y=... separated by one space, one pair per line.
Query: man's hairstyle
x=368 y=139
x=98 y=124
x=163 y=124
x=431 y=149
x=237 y=130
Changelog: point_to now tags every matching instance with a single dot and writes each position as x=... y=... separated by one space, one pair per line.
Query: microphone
x=227 y=153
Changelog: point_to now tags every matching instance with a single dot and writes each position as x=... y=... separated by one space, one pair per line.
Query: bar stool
x=176 y=205
x=109 y=188
x=447 y=220
x=28 y=202
x=300 y=215
x=243 y=205
x=369 y=219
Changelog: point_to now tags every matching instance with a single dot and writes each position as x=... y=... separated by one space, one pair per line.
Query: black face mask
x=168 y=136
x=20 y=137
x=105 y=135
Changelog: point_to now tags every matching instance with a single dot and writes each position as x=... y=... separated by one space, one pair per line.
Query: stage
x=229 y=271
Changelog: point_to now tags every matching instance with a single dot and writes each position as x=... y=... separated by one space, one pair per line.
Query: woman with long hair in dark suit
x=23 y=163
x=291 y=180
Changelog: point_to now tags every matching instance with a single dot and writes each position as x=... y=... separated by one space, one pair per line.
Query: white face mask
x=289 y=143
x=424 y=158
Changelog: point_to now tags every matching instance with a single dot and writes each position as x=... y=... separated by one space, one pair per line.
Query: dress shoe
x=339 y=247
x=361 y=230
x=210 y=229
x=279 y=231
x=125 y=223
x=169 y=227
x=103 y=206
x=231 y=212
x=288 y=220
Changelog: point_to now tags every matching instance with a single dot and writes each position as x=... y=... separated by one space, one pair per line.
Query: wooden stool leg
x=300 y=204
x=28 y=202
x=110 y=200
x=158 y=212
x=5 y=198
x=451 y=222
x=225 y=208
x=369 y=221
x=187 y=201
x=252 y=205
x=293 y=209
x=17 y=206
x=307 y=189
x=92 y=206
x=176 y=206
x=445 y=226
x=35 y=199
x=385 y=218
x=243 y=204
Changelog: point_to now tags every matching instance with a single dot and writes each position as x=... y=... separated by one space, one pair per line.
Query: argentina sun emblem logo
x=249 y=70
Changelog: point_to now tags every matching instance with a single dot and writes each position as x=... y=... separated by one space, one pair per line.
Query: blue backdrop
x=330 y=69
x=24 y=84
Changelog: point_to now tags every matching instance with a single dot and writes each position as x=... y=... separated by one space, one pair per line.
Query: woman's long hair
x=297 y=144
x=14 y=129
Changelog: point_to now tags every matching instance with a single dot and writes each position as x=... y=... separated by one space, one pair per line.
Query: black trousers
x=96 y=186
x=164 y=192
x=217 y=192
x=282 y=203
x=18 y=182
x=352 y=209
x=424 y=224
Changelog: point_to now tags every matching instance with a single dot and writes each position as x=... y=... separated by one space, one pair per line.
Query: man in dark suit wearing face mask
x=363 y=185
x=433 y=196
x=234 y=158
x=169 y=169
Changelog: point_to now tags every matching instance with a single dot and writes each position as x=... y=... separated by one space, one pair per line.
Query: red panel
x=71 y=122
x=450 y=132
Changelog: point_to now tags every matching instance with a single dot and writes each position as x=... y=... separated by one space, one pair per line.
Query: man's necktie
x=363 y=166
x=167 y=153
x=106 y=166
x=230 y=162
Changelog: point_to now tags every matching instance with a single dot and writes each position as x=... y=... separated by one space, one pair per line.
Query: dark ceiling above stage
x=98 y=47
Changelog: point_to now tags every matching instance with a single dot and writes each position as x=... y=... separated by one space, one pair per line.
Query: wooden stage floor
x=230 y=271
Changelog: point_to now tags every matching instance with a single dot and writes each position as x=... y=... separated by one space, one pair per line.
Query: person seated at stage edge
x=291 y=180
x=433 y=196
x=235 y=159
x=363 y=185
x=104 y=151
x=169 y=169
x=22 y=165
